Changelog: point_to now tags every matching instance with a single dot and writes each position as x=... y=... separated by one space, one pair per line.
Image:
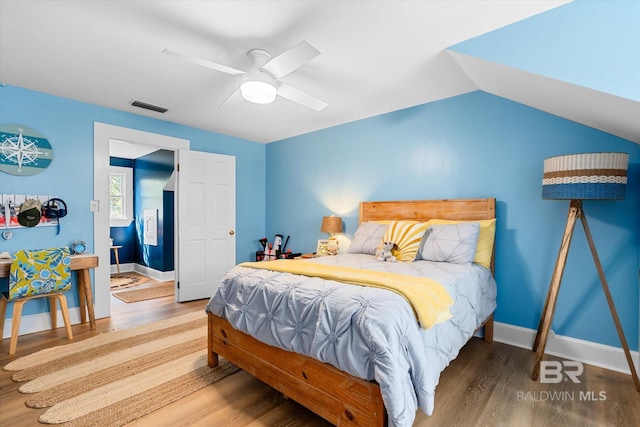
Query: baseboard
x=588 y=352
x=124 y=268
x=40 y=322
x=161 y=276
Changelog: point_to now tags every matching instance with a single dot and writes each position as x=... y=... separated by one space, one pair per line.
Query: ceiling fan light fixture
x=258 y=91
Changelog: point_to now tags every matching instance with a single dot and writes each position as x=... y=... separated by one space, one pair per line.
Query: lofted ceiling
x=376 y=56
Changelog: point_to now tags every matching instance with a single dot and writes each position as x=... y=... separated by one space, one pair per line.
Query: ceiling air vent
x=151 y=107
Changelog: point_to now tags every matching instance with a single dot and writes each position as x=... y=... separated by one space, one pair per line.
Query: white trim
x=160 y=276
x=103 y=134
x=592 y=353
x=128 y=196
x=124 y=268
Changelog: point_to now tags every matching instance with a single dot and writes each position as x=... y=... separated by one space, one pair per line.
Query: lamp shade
x=331 y=224
x=585 y=176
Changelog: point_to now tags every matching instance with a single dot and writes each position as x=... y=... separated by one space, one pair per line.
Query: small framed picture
x=323 y=247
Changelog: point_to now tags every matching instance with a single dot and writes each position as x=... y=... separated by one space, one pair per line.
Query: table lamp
x=578 y=177
x=332 y=225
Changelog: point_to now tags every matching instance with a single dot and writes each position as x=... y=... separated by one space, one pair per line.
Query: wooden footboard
x=340 y=398
x=336 y=396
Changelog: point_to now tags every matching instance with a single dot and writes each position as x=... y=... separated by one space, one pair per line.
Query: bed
x=348 y=374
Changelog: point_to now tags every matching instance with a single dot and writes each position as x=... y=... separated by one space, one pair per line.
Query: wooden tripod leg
x=575 y=209
x=614 y=313
x=536 y=342
x=558 y=268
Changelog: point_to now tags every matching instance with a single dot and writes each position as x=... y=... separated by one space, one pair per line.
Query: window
x=120 y=196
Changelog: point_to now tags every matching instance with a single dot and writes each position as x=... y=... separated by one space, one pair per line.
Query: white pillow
x=367 y=238
x=454 y=243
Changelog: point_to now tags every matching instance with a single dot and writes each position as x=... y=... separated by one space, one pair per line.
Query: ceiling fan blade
x=291 y=59
x=204 y=62
x=228 y=98
x=299 y=97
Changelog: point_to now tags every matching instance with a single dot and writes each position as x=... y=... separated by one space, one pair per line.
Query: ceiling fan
x=262 y=83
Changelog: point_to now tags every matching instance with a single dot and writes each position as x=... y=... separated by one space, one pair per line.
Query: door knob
x=231 y=232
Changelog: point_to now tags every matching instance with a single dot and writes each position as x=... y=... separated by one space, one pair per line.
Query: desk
x=115 y=254
x=81 y=264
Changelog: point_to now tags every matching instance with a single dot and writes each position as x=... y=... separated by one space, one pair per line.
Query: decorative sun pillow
x=367 y=238
x=454 y=243
x=484 y=250
x=407 y=236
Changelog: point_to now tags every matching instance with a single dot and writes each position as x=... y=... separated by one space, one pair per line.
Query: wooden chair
x=35 y=274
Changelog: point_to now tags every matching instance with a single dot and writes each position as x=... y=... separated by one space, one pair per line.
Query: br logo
x=555 y=372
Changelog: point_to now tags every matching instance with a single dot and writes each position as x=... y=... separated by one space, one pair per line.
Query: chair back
x=39 y=272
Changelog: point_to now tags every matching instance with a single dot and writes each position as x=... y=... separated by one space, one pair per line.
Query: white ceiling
x=126 y=150
x=600 y=110
x=377 y=56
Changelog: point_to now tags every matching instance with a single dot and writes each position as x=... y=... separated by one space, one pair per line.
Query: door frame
x=103 y=134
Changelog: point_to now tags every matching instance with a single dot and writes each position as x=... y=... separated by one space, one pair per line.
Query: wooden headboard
x=424 y=210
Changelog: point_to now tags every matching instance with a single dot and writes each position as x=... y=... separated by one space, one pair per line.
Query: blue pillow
x=454 y=243
x=367 y=238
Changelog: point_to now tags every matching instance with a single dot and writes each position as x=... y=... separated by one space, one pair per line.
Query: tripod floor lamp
x=579 y=177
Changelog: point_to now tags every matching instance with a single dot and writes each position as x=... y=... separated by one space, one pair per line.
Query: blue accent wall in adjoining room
x=168 y=222
x=474 y=145
x=125 y=237
x=119 y=161
x=68 y=125
x=150 y=175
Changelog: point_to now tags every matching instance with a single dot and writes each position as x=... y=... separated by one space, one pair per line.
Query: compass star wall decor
x=23 y=151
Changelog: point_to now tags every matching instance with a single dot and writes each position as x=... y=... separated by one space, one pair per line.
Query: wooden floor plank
x=480 y=388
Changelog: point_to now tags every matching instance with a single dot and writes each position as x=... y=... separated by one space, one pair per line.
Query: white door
x=205 y=222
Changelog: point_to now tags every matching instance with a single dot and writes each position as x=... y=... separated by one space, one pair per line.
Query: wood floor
x=487 y=385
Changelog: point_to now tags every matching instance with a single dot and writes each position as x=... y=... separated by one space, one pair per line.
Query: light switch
x=150 y=227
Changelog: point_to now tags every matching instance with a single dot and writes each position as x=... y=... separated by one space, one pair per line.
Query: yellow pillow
x=407 y=235
x=485 y=239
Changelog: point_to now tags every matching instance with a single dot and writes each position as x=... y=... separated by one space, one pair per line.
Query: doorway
x=143 y=232
x=104 y=135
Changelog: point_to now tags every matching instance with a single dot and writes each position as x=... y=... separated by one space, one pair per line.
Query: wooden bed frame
x=336 y=396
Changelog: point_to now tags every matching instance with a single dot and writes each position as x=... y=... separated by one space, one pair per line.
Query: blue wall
x=474 y=145
x=68 y=125
x=168 y=224
x=150 y=174
x=125 y=237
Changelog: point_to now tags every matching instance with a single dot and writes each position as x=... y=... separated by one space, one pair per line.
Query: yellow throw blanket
x=429 y=299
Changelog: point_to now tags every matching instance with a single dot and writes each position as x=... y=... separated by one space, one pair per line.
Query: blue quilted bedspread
x=368 y=332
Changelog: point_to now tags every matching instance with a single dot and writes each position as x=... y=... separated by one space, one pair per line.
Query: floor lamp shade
x=585 y=176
